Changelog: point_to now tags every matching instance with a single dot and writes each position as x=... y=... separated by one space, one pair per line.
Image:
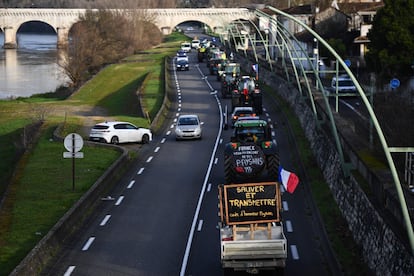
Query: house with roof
x=348 y=20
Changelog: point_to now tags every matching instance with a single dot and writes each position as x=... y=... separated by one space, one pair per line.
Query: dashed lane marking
x=88 y=243
x=131 y=184
x=105 y=220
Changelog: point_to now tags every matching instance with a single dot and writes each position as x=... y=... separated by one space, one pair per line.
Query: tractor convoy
x=251 y=227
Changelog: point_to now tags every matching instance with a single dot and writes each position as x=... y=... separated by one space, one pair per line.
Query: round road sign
x=395 y=83
x=73 y=142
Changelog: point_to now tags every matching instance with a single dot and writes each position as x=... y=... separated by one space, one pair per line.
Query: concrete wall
x=383 y=244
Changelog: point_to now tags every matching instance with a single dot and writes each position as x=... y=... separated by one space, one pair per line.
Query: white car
x=186 y=47
x=195 y=44
x=241 y=111
x=188 y=127
x=120 y=132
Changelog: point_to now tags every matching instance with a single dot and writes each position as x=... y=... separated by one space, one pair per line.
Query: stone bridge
x=62 y=20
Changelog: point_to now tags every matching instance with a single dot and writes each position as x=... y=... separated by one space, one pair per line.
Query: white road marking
x=140 y=171
x=285 y=206
x=118 y=202
x=201 y=196
x=200 y=225
x=131 y=184
x=294 y=250
x=168 y=132
x=221 y=141
x=105 y=220
x=289 y=227
x=172 y=126
x=215 y=161
x=149 y=159
x=163 y=140
x=157 y=149
x=69 y=271
x=88 y=243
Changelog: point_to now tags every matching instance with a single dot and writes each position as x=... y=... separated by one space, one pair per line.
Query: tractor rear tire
x=229 y=175
x=273 y=163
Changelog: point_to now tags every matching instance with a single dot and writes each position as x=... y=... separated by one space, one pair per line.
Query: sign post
x=73 y=143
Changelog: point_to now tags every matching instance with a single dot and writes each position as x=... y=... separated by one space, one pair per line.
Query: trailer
x=251 y=229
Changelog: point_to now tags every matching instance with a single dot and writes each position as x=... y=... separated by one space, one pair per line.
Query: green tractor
x=229 y=79
x=251 y=152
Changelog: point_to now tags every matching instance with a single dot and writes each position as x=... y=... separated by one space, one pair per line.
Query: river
x=32 y=68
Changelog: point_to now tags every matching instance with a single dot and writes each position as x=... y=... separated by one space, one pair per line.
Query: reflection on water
x=30 y=69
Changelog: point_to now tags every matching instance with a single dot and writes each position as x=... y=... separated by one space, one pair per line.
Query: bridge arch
x=165 y=19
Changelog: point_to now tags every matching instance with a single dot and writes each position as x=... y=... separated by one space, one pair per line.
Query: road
x=164 y=214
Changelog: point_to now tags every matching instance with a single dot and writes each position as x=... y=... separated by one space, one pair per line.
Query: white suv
x=120 y=132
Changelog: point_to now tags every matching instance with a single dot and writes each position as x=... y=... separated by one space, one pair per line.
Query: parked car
x=345 y=85
x=119 y=132
x=241 y=111
x=188 y=127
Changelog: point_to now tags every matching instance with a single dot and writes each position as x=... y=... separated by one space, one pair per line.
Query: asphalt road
x=164 y=214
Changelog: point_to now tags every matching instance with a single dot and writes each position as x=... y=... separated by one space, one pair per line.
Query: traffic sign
x=73 y=155
x=395 y=83
x=347 y=62
x=73 y=142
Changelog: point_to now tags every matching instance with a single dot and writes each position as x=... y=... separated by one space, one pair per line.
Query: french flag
x=255 y=68
x=289 y=180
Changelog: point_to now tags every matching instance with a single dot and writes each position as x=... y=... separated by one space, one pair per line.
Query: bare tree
x=106 y=36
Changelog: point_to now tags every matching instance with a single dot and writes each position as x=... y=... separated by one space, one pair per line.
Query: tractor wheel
x=273 y=163
x=229 y=176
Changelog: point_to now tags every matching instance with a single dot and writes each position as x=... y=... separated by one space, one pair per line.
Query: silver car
x=119 y=132
x=188 y=127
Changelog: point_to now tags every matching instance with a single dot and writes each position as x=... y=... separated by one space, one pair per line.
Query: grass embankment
x=40 y=191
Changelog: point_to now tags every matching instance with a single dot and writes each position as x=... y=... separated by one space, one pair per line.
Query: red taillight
x=235 y=118
x=234 y=145
x=235 y=91
x=257 y=91
x=227 y=238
